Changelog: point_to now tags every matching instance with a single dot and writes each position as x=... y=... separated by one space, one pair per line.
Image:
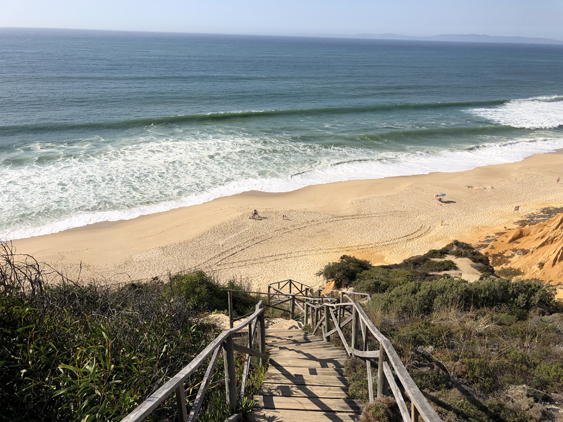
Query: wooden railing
x=224 y=342
x=390 y=368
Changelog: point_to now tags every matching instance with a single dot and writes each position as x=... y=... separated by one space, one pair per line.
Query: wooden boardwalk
x=305 y=381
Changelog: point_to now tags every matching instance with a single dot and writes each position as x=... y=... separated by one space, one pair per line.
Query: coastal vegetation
x=83 y=351
x=481 y=351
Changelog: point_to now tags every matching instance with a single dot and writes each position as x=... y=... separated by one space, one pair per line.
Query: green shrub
x=384 y=409
x=436 y=266
x=430 y=380
x=417 y=298
x=509 y=272
x=345 y=270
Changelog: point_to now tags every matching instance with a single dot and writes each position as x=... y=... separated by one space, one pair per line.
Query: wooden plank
x=370 y=354
x=290 y=342
x=270 y=415
x=309 y=363
x=327 y=380
x=304 y=403
x=396 y=393
x=235 y=418
x=346 y=322
x=204 y=383
x=341 y=335
x=321 y=391
x=304 y=355
x=297 y=370
x=309 y=346
x=248 y=351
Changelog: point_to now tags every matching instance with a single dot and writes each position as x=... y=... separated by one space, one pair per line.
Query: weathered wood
x=344 y=324
x=251 y=334
x=370 y=380
x=292 y=307
x=368 y=366
x=354 y=340
x=269 y=415
x=145 y=408
x=308 y=363
x=320 y=391
x=318 y=323
x=426 y=411
x=262 y=338
x=181 y=404
x=371 y=354
x=230 y=374
x=299 y=370
x=248 y=351
x=326 y=380
x=305 y=314
x=327 y=324
x=203 y=387
x=304 y=403
x=235 y=418
x=414 y=413
x=396 y=393
x=230 y=305
x=380 y=373
x=341 y=335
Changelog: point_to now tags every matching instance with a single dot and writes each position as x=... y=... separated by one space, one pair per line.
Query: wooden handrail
x=176 y=383
x=389 y=362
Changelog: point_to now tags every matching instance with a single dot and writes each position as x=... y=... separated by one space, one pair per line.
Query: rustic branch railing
x=389 y=365
x=224 y=341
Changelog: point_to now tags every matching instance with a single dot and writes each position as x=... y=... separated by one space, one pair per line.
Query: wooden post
x=290 y=284
x=354 y=344
x=268 y=295
x=380 y=374
x=327 y=322
x=306 y=311
x=181 y=403
x=292 y=306
x=262 y=333
x=414 y=413
x=230 y=374
x=230 y=309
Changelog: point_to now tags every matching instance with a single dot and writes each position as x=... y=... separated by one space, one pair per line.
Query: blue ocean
x=105 y=126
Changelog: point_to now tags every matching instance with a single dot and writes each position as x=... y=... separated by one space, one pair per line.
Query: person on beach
x=558 y=179
x=255 y=215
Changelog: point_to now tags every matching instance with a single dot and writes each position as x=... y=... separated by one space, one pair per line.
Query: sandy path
x=383 y=220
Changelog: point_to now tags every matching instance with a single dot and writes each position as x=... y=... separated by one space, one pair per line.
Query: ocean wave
x=149 y=178
x=222 y=116
x=530 y=113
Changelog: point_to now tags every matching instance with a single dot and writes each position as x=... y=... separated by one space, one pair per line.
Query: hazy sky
x=530 y=18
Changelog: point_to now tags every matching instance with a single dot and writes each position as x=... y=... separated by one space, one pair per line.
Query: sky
x=526 y=18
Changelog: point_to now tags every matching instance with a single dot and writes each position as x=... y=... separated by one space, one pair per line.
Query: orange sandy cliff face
x=535 y=250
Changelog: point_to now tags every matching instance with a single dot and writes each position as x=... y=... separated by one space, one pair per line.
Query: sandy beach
x=383 y=220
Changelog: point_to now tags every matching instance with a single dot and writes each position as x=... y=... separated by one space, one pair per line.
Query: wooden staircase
x=305 y=381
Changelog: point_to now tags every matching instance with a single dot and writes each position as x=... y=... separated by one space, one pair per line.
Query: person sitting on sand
x=255 y=215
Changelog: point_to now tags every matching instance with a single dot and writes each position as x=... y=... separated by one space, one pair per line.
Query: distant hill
x=469 y=38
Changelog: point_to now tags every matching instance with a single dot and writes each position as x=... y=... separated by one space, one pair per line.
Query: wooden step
x=316 y=354
x=328 y=380
x=303 y=346
x=295 y=370
x=270 y=415
x=304 y=403
x=321 y=391
x=308 y=363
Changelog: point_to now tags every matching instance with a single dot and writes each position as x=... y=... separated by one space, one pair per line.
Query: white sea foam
x=532 y=113
x=76 y=186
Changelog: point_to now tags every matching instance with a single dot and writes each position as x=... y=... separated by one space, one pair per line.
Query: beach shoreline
x=382 y=220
